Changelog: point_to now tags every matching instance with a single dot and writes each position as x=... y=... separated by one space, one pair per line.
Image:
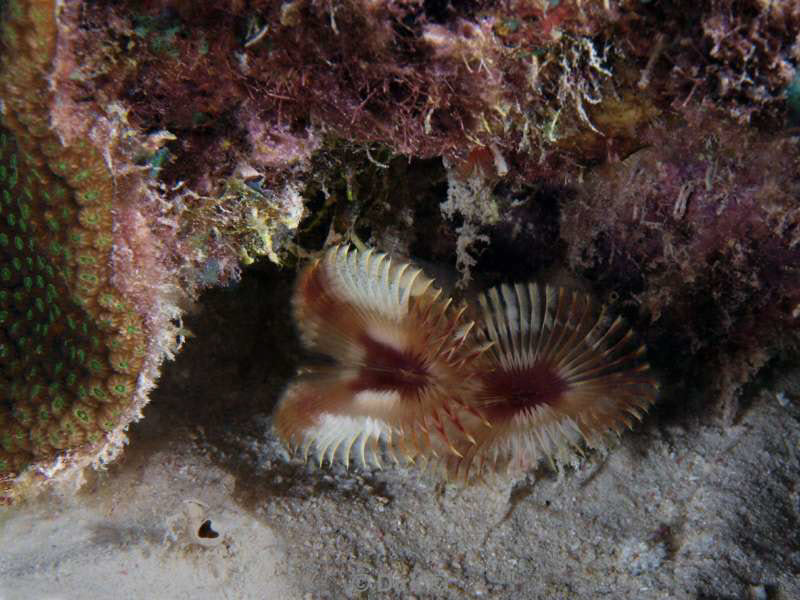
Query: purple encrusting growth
x=701 y=233
x=542 y=85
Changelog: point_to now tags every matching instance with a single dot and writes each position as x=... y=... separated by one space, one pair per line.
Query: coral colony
x=545 y=369
x=72 y=347
x=150 y=149
x=94 y=263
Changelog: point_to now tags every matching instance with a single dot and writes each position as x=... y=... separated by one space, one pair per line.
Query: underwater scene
x=407 y=299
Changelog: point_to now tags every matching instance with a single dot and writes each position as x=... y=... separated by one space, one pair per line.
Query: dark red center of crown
x=511 y=391
x=386 y=368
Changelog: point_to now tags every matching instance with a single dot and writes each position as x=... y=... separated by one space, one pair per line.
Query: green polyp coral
x=97 y=251
x=71 y=346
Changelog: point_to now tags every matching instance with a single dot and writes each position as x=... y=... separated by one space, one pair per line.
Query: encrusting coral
x=72 y=347
x=94 y=265
x=548 y=370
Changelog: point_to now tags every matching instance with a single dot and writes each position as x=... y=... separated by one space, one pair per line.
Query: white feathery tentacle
x=404 y=356
x=564 y=375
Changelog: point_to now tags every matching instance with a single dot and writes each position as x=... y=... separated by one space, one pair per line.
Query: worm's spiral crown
x=563 y=373
x=404 y=355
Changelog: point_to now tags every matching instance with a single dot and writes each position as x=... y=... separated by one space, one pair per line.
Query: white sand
x=133 y=536
x=676 y=511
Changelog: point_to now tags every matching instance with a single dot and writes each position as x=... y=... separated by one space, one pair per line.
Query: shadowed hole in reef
x=206 y=531
x=215 y=397
x=240 y=352
x=244 y=348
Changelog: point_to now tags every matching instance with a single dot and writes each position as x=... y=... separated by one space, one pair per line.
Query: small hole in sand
x=205 y=530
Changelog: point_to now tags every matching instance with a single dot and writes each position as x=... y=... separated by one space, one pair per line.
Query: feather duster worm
x=563 y=373
x=405 y=373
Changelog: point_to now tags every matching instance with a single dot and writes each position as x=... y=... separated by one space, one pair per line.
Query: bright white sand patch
x=136 y=536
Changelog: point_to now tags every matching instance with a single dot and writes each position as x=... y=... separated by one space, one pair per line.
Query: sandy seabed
x=672 y=512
